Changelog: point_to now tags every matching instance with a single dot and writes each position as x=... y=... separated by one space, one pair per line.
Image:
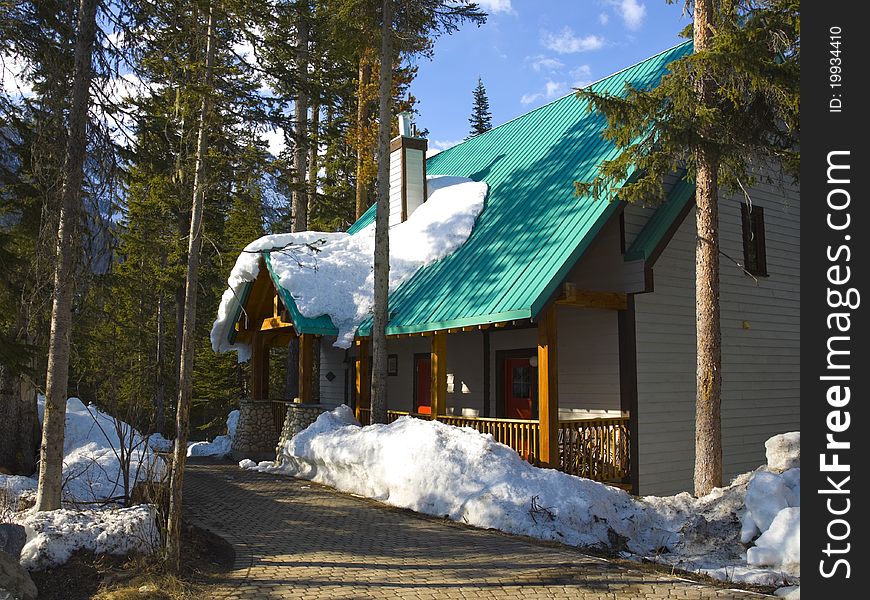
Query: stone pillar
x=256 y=432
x=299 y=417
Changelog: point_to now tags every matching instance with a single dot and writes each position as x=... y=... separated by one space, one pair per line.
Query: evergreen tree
x=481 y=118
x=728 y=113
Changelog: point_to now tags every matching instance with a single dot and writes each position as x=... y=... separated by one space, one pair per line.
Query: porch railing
x=593 y=448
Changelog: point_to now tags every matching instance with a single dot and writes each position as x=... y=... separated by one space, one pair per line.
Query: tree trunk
x=382 y=225
x=300 y=149
x=313 y=158
x=19 y=426
x=708 y=434
x=362 y=120
x=188 y=343
x=159 y=419
x=51 y=449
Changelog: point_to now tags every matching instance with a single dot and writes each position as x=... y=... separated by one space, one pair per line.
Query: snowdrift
x=222 y=445
x=469 y=477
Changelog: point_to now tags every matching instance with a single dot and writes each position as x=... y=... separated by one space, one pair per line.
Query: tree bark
x=188 y=343
x=313 y=158
x=362 y=120
x=708 y=434
x=300 y=149
x=51 y=449
x=159 y=420
x=382 y=232
x=19 y=426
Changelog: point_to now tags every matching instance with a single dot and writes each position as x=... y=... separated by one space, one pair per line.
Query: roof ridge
x=559 y=99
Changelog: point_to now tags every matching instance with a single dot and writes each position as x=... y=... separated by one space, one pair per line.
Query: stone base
x=255 y=434
x=298 y=418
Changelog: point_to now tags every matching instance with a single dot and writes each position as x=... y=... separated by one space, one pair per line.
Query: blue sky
x=530 y=52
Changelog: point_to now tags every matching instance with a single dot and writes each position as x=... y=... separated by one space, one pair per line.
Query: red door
x=520 y=389
x=423 y=384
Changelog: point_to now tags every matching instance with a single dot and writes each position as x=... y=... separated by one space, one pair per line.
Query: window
x=754 y=251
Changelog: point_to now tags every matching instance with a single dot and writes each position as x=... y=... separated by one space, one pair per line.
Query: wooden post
x=259 y=367
x=548 y=388
x=363 y=385
x=438 y=389
x=306 y=367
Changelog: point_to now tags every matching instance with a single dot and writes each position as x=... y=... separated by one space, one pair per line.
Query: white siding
x=588 y=356
x=332 y=360
x=414 y=178
x=602 y=268
x=395 y=187
x=760 y=345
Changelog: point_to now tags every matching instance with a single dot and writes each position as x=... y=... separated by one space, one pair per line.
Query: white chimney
x=407 y=172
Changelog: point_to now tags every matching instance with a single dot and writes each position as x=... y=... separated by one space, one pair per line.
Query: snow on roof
x=332 y=273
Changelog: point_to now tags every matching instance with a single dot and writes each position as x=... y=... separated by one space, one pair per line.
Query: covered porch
x=558 y=389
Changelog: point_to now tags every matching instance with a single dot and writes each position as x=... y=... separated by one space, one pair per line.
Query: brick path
x=295 y=539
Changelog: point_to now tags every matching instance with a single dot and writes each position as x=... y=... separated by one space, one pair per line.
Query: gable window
x=754 y=250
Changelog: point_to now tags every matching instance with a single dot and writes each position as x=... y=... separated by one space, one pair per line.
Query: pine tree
x=481 y=118
x=728 y=113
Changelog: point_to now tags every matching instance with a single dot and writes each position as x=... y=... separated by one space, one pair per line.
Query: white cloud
x=275 y=142
x=529 y=98
x=632 y=12
x=582 y=76
x=552 y=89
x=565 y=42
x=544 y=63
x=12 y=76
x=604 y=18
x=436 y=146
x=497 y=6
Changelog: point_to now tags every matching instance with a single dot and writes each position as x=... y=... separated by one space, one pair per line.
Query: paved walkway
x=295 y=539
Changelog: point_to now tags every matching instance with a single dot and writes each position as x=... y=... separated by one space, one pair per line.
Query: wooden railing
x=521 y=435
x=593 y=448
x=279 y=412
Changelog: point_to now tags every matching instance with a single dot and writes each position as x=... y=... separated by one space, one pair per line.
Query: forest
x=267 y=110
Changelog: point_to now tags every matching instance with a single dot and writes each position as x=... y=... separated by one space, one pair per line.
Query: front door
x=520 y=397
x=423 y=384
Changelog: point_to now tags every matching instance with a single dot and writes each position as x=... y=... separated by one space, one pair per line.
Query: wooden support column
x=259 y=367
x=438 y=389
x=363 y=385
x=548 y=388
x=628 y=385
x=306 y=367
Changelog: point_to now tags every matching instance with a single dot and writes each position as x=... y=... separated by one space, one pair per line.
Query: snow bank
x=222 y=445
x=92 y=449
x=473 y=479
x=332 y=273
x=13 y=487
x=783 y=451
x=53 y=536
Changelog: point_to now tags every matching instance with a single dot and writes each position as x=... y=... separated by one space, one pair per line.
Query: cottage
x=563 y=326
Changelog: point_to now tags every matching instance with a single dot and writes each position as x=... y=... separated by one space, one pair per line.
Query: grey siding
x=760 y=345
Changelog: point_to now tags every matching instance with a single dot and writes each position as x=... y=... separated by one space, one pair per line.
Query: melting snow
x=332 y=273
x=471 y=478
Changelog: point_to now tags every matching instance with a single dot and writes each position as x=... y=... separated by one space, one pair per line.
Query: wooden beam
x=306 y=367
x=438 y=389
x=602 y=300
x=363 y=386
x=274 y=323
x=548 y=388
x=259 y=367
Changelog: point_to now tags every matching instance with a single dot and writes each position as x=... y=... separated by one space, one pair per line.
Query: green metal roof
x=533 y=228
x=658 y=224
